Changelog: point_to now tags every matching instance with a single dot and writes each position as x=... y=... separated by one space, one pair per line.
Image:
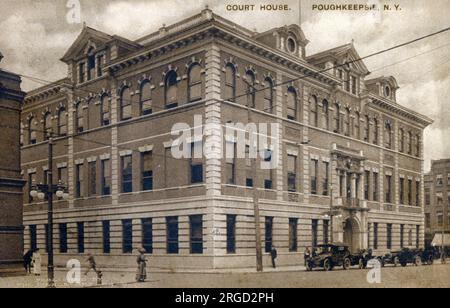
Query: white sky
x=35 y=34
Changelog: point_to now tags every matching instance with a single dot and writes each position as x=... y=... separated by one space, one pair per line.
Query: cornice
x=398 y=109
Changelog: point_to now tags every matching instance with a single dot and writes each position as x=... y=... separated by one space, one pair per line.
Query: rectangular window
x=92 y=178
x=127 y=174
x=427 y=197
x=354 y=85
x=326 y=231
x=100 y=65
x=326 y=180
x=231 y=163
x=388 y=187
x=440 y=218
x=81 y=72
x=268 y=174
x=367 y=185
x=292 y=173
x=147 y=235
x=314 y=171
x=63 y=238
x=79 y=179
x=402 y=236
x=127 y=236
x=293 y=234
x=410 y=188
x=80 y=237
x=418 y=193
x=196 y=234
x=427 y=220
x=375 y=187
x=172 y=235
x=389 y=236
x=269 y=234
x=417 y=237
x=375 y=236
x=147 y=171
x=196 y=165
x=63 y=175
x=33 y=237
x=231 y=233
x=106 y=177
x=402 y=191
x=314 y=232
x=106 y=228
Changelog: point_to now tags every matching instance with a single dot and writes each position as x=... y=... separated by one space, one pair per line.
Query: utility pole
x=259 y=254
x=50 y=268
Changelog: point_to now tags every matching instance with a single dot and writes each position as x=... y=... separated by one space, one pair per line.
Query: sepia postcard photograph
x=224 y=150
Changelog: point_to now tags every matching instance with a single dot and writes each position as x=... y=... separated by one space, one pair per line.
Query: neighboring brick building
x=114 y=113
x=437 y=202
x=11 y=184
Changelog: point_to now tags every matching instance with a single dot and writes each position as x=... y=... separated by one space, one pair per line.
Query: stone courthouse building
x=344 y=142
x=11 y=227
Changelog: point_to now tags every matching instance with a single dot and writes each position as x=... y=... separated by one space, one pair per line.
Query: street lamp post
x=41 y=191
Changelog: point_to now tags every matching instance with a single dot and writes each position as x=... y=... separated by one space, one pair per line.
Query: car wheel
x=418 y=261
x=327 y=266
x=430 y=261
x=396 y=261
x=347 y=264
x=404 y=264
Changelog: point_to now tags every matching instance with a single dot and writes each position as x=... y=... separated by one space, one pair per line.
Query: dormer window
x=291 y=45
x=387 y=91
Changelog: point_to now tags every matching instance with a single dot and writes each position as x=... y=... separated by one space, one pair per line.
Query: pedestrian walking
x=92 y=265
x=307 y=255
x=141 y=274
x=274 y=255
x=27 y=261
x=37 y=262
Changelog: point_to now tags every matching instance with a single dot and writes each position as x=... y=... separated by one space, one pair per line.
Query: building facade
x=437 y=202
x=11 y=184
x=343 y=143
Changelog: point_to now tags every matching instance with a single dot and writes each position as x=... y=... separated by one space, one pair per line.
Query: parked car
x=362 y=258
x=329 y=257
x=430 y=254
x=392 y=258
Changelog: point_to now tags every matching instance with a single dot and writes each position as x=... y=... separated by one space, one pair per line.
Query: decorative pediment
x=87 y=39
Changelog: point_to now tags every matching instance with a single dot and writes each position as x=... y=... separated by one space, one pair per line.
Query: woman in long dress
x=37 y=262
x=142 y=266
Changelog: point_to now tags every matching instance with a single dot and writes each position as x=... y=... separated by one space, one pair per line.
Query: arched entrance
x=352 y=235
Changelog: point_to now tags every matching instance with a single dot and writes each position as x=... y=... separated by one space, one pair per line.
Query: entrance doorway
x=352 y=235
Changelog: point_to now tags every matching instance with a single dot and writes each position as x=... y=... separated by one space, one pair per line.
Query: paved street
x=410 y=277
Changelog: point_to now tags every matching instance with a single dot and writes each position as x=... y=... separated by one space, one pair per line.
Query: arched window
x=146 y=98
x=347 y=122
x=325 y=114
x=401 y=140
x=388 y=135
x=313 y=111
x=171 y=90
x=357 y=126
x=230 y=82
x=337 y=118
x=251 y=93
x=62 y=122
x=367 y=129
x=48 y=129
x=32 y=131
x=375 y=131
x=195 y=82
x=292 y=104
x=268 y=95
x=105 y=110
x=80 y=118
x=125 y=104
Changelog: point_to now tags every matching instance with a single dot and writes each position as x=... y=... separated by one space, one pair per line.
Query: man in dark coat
x=274 y=255
x=27 y=260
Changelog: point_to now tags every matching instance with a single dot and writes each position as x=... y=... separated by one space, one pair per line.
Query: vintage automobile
x=404 y=257
x=329 y=257
x=362 y=258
